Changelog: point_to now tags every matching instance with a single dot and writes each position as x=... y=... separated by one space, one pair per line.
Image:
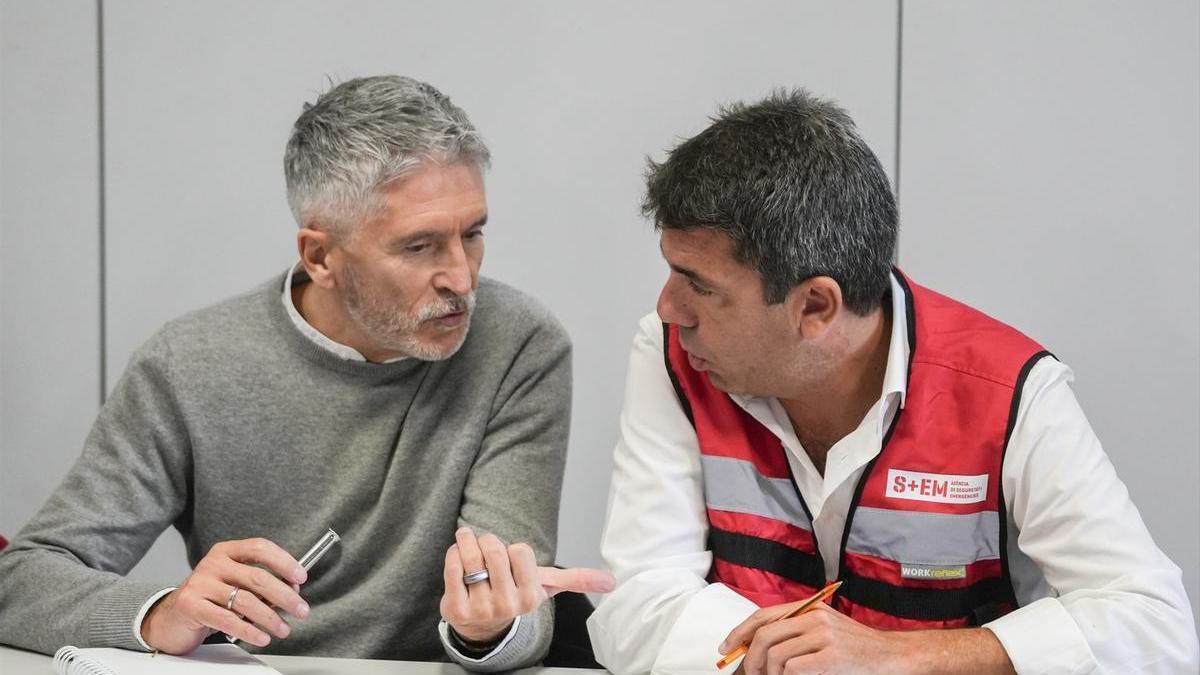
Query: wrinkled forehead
x=448 y=196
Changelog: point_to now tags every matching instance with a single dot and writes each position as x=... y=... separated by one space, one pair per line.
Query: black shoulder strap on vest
x=910 y=316
x=1013 y=408
x=683 y=399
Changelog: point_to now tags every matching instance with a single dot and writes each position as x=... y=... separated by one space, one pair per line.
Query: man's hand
x=482 y=612
x=180 y=621
x=825 y=641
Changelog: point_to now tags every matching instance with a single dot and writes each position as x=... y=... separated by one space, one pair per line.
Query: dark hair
x=794 y=186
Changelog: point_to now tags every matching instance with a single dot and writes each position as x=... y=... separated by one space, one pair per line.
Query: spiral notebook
x=217 y=658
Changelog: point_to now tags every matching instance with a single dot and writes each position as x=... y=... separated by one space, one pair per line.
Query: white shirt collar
x=895 y=377
x=297 y=275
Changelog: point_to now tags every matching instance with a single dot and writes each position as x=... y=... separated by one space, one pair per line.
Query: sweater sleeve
x=62 y=578
x=514 y=486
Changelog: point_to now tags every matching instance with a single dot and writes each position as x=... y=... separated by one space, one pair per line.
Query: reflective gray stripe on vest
x=925 y=538
x=735 y=485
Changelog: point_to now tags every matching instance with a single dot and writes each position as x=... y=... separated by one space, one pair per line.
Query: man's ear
x=319 y=253
x=813 y=306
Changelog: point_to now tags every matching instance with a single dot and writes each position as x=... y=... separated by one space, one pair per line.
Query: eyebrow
x=423 y=234
x=694 y=276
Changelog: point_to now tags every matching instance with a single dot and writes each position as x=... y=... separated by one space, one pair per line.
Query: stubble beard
x=398 y=331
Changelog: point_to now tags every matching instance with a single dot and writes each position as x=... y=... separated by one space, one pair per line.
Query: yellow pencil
x=808 y=604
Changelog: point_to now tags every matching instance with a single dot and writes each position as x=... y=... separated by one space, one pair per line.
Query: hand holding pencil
x=806 y=605
x=810 y=637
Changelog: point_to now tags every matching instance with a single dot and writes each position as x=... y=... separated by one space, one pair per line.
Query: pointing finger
x=577 y=579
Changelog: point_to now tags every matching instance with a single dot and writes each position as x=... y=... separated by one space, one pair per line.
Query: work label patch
x=936 y=487
x=910 y=571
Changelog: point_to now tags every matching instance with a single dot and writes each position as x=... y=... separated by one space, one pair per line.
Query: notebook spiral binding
x=69 y=661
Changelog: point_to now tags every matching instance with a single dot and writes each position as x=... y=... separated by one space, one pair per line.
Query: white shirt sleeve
x=663 y=614
x=1106 y=599
x=141 y=616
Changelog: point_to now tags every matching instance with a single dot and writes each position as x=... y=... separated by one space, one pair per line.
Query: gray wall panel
x=570 y=96
x=49 y=241
x=1049 y=176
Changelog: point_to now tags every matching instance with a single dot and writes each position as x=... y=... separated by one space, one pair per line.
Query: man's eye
x=698 y=289
x=473 y=234
x=415 y=248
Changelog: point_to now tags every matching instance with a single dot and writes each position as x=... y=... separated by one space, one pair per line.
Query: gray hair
x=794 y=186
x=363 y=134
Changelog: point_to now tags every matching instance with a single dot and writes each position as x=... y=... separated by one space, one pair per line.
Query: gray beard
x=397 y=331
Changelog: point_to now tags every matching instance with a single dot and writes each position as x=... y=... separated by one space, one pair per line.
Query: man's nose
x=670 y=308
x=457 y=274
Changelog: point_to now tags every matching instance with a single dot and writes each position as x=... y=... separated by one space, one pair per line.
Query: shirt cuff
x=1042 y=637
x=450 y=644
x=691 y=645
x=141 y=615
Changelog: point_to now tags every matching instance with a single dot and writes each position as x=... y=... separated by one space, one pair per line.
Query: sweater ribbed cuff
x=519 y=649
x=457 y=647
x=111 y=623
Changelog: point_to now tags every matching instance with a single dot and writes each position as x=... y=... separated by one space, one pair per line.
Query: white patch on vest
x=911 y=571
x=943 y=488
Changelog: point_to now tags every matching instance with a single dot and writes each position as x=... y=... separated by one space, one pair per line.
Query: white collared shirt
x=1096 y=593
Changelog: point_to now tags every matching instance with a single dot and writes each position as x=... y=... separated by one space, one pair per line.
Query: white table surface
x=20 y=662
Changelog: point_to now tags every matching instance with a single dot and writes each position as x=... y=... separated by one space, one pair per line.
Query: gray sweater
x=229 y=423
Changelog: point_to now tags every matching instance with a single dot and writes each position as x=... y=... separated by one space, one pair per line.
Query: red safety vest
x=925 y=537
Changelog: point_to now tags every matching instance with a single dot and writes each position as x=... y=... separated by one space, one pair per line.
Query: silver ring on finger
x=475 y=577
x=232 y=597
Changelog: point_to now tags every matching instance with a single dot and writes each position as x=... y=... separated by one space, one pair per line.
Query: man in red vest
x=800 y=412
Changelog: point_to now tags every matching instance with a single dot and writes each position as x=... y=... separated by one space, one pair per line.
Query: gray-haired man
x=346 y=392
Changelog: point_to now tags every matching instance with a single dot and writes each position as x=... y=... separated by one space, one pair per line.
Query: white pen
x=310 y=558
